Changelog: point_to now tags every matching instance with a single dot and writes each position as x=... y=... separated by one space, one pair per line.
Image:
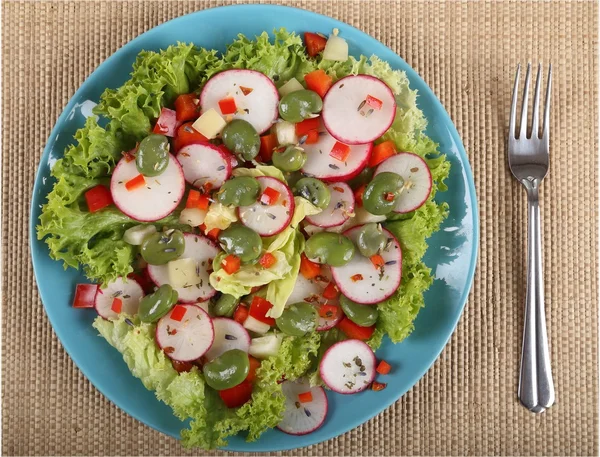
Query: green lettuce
x=219 y=216
x=189 y=397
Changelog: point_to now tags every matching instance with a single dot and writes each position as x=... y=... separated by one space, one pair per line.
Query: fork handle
x=536 y=387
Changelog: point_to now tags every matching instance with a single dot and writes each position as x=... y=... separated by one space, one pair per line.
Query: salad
x=254 y=224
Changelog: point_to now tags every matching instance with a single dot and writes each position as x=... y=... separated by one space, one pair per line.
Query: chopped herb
x=222 y=167
x=414 y=169
x=307 y=412
x=346 y=364
x=333 y=166
x=128 y=322
x=230 y=337
x=361 y=105
x=271 y=215
x=297 y=404
x=391 y=262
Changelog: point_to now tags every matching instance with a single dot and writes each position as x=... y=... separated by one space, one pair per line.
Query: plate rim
x=413 y=78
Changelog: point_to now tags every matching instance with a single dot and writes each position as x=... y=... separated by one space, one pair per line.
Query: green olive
x=314 y=190
x=330 y=248
x=225 y=305
x=241 y=138
x=298 y=319
x=370 y=240
x=228 y=370
x=152 y=156
x=156 y=305
x=162 y=247
x=241 y=241
x=240 y=191
x=289 y=158
x=363 y=315
x=293 y=177
x=299 y=105
x=381 y=194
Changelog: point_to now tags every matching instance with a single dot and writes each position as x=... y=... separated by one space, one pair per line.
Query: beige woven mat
x=467 y=52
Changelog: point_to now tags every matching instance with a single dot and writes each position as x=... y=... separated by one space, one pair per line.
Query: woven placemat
x=467 y=52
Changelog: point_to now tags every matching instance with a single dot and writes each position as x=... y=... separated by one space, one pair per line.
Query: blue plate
x=452 y=252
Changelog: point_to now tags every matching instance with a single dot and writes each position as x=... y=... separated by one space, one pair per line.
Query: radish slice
x=348 y=116
x=188 y=336
x=259 y=106
x=339 y=210
x=348 y=367
x=268 y=220
x=361 y=281
x=320 y=164
x=155 y=199
x=203 y=251
x=129 y=292
x=308 y=290
x=229 y=334
x=417 y=180
x=302 y=418
x=204 y=163
x=326 y=323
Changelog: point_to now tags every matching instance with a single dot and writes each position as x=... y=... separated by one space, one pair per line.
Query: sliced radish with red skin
x=361 y=281
x=204 y=163
x=269 y=220
x=186 y=339
x=417 y=180
x=308 y=290
x=327 y=323
x=157 y=198
x=348 y=367
x=302 y=418
x=203 y=251
x=319 y=164
x=229 y=335
x=128 y=291
x=340 y=208
x=349 y=118
x=258 y=107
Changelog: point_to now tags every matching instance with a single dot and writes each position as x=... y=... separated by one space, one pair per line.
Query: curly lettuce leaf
x=219 y=216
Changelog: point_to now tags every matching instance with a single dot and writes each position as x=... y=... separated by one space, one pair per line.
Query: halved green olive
x=329 y=248
x=381 y=194
x=363 y=315
x=228 y=370
x=241 y=138
x=370 y=240
x=152 y=156
x=162 y=247
x=299 y=105
x=156 y=305
x=298 y=319
x=314 y=190
x=241 y=241
x=289 y=158
x=240 y=191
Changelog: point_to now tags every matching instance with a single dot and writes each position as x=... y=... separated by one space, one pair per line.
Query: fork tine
x=546 y=128
x=523 y=129
x=513 y=108
x=536 y=105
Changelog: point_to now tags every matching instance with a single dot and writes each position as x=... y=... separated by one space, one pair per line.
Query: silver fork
x=528 y=159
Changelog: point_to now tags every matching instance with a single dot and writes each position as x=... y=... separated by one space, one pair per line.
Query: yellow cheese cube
x=209 y=124
x=291 y=86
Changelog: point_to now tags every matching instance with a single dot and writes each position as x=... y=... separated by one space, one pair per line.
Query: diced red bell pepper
x=269 y=196
x=357 y=277
x=213 y=234
x=373 y=102
x=267 y=260
x=186 y=135
x=197 y=200
x=308 y=268
x=246 y=90
x=117 y=305
x=312 y=137
x=240 y=314
x=85 y=295
x=378 y=386
x=166 y=124
x=231 y=264
x=351 y=330
x=314 y=42
x=331 y=291
x=305 y=397
x=135 y=183
x=318 y=81
x=178 y=313
x=254 y=365
x=377 y=261
x=129 y=156
x=358 y=194
x=187 y=107
x=237 y=395
x=340 y=151
x=259 y=309
x=381 y=152
x=227 y=106
x=383 y=367
x=97 y=198
x=182 y=367
x=267 y=144
x=302 y=128
x=389 y=196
